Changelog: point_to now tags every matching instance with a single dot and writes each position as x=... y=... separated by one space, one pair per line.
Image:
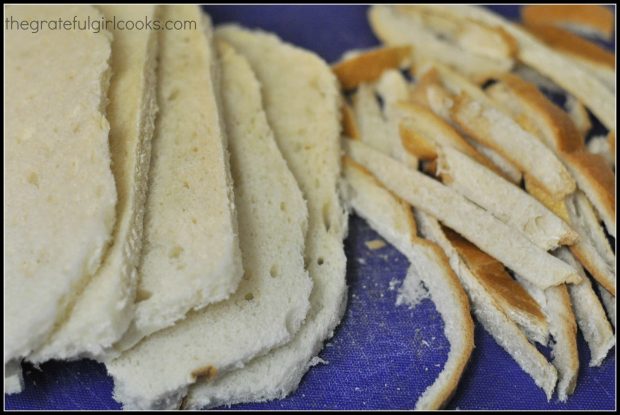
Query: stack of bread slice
x=178 y=212
x=484 y=166
x=186 y=221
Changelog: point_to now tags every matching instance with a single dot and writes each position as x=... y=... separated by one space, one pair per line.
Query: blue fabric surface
x=381 y=356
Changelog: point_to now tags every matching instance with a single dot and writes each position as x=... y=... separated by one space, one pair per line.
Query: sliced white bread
x=477 y=225
x=307 y=131
x=271 y=301
x=106 y=306
x=191 y=254
x=487 y=311
x=600 y=63
x=393 y=219
x=600 y=145
x=514 y=301
x=609 y=301
x=532 y=52
x=499 y=196
x=13 y=378
x=586 y=19
x=393 y=27
x=495 y=129
x=59 y=188
x=599 y=264
x=556 y=304
x=590 y=314
x=368 y=66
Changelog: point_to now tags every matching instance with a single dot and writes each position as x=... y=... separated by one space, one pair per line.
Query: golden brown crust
x=611 y=137
x=583 y=257
x=572 y=44
x=369 y=66
x=599 y=175
x=492 y=274
x=566 y=136
x=556 y=206
x=349 y=124
x=594 y=17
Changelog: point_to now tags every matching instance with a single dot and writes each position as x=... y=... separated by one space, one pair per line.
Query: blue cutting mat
x=381 y=356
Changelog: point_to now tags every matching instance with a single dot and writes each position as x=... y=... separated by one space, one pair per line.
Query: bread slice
x=599 y=62
x=393 y=27
x=368 y=66
x=497 y=130
x=272 y=300
x=191 y=254
x=514 y=301
x=609 y=301
x=578 y=114
x=59 y=188
x=600 y=145
x=105 y=308
x=393 y=219
x=532 y=52
x=599 y=264
x=477 y=225
x=556 y=304
x=499 y=197
x=306 y=128
x=590 y=314
x=487 y=311
x=13 y=378
x=373 y=126
x=587 y=19
x=555 y=128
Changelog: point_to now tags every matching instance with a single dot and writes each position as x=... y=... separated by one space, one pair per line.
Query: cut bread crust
x=349 y=126
x=532 y=52
x=393 y=219
x=508 y=169
x=599 y=62
x=590 y=314
x=555 y=128
x=271 y=302
x=393 y=27
x=59 y=188
x=499 y=197
x=587 y=19
x=105 y=308
x=505 y=332
x=599 y=264
x=609 y=301
x=497 y=130
x=578 y=114
x=514 y=301
x=600 y=145
x=556 y=304
x=190 y=220
x=368 y=66
x=307 y=132
x=499 y=240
